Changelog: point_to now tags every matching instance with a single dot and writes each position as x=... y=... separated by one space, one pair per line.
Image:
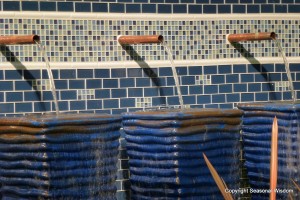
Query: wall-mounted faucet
x=231 y=38
x=19 y=39
x=143 y=39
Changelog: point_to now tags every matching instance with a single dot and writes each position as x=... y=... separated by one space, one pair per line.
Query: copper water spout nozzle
x=143 y=39
x=251 y=37
x=19 y=39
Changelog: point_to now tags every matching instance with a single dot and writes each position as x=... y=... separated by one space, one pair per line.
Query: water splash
x=175 y=75
x=50 y=75
x=287 y=69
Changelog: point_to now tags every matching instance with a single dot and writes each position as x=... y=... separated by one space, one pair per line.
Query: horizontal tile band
x=156 y=64
x=167 y=17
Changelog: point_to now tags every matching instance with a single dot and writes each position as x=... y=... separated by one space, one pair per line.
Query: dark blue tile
x=6 y=86
x=7 y=108
x=13 y=74
x=240 y=87
x=225 y=69
x=179 y=8
x=85 y=73
x=102 y=94
x=93 y=84
x=68 y=95
x=195 y=9
x=68 y=74
x=181 y=71
x=218 y=98
x=227 y=88
x=142 y=82
x=203 y=99
x=274 y=77
x=239 y=69
x=232 y=78
x=231 y=1
x=166 y=91
x=65 y=6
x=280 y=8
x=150 y=92
x=14 y=96
x=135 y=92
x=150 y=72
x=110 y=83
x=100 y=7
x=23 y=85
x=210 y=70
x=197 y=89
x=187 y=80
x=32 y=96
x=261 y=96
x=11 y=5
x=1 y=96
x=159 y=81
x=254 y=87
x=253 y=8
x=260 y=1
x=118 y=73
x=135 y=72
x=189 y=100
x=267 y=8
x=172 y=1
x=164 y=8
x=226 y=106
x=54 y=74
x=247 y=78
x=187 y=1
x=42 y=106
x=76 y=84
x=224 y=9
x=32 y=74
x=247 y=97
x=273 y=96
x=118 y=93
x=157 y=1
x=294 y=67
x=1 y=75
x=165 y=71
x=47 y=95
x=159 y=101
x=94 y=104
x=246 y=1
x=47 y=6
x=77 y=105
x=279 y=68
x=173 y=101
x=24 y=107
x=195 y=70
x=116 y=8
x=267 y=68
x=170 y=81
x=30 y=6
x=216 y=1
x=102 y=73
x=210 y=89
x=239 y=9
x=202 y=1
x=127 y=102
x=127 y=82
x=254 y=68
x=61 y=84
x=267 y=87
x=133 y=8
x=209 y=9
x=148 y=8
x=184 y=90
x=218 y=79
x=124 y=1
x=140 y=1
x=212 y=106
x=82 y=7
x=287 y=1
x=111 y=103
x=262 y=77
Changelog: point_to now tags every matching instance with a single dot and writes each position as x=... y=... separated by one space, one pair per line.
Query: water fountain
x=57 y=156
x=256 y=136
x=165 y=149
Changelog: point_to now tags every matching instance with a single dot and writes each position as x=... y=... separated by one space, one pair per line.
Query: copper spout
x=251 y=37
x=19 y=39
x=144 y=39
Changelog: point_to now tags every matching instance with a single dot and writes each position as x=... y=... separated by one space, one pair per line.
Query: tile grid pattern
x=96 y=40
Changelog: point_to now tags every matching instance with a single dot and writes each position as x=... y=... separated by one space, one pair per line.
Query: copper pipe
x=251 y=37
x=19 y=39
x=143 y=39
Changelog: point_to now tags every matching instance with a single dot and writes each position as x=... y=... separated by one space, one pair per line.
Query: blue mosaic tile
x=7 y=108
x=232 y=1
x=133 y=8
x=187 y=80
x=14 y=96
x=210 y=89
x=127 y=82
x=111 y=103
x=151 y=92
x=82 y=7
x=232 y=78
x=116 y=8
x=194 y=9
x=165 y=71
x=218 y=98
x=76 y=84
x=77 y=105
x=232 y=97
x=166 y=91
x=23 y=85
x=172 y=1
x=135 y=92
x=100 y=7
x=170 y=81
x=85 y=73
x=203 y=99
x=294 y=8
x=247 y=78
x=262 y=96
x=280 y=8
x=172 y=101
x=6 y=86
x=210 y=69
x=11 y=6
x=184 y=90
x=197 y=89
x=224 y=9
x=117 y=73
x=239 y=68
x=238 y=8
x=142 y=82
x=273 y=96
x=226 y=106
x=67 y=73
x=158 y=101
x=179 y=8
x=240 y=87
x=261 y=77
x=47 y=96
x=247 y=97
x=30 y=6
x=267 y=87
x=266 y=8
x=32 y=96
x=280 y=68
x=1 y=96
x=102 y=94
x=254 y=87
x=65 y=6
x=218 y=79
x=274 y=77
x=189 y=100
x=254 y=68
x=24 y=107
x=164 y=8
x=217 y=1
x=13 y=74
x=68 y=95
x=93 y=83
x=118 y=93
x=127 y=102
x=181 y=71
x=102 y=73
x=1 y=75
x=148 y=8
x=226 y=88
x=209 y=9
x=110 y=83
x=195 y=70
x=94 y=104
x=260 y=1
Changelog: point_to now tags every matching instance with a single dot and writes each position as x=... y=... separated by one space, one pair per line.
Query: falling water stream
x=168 y=50
x=50 y=75
x=287 y=69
